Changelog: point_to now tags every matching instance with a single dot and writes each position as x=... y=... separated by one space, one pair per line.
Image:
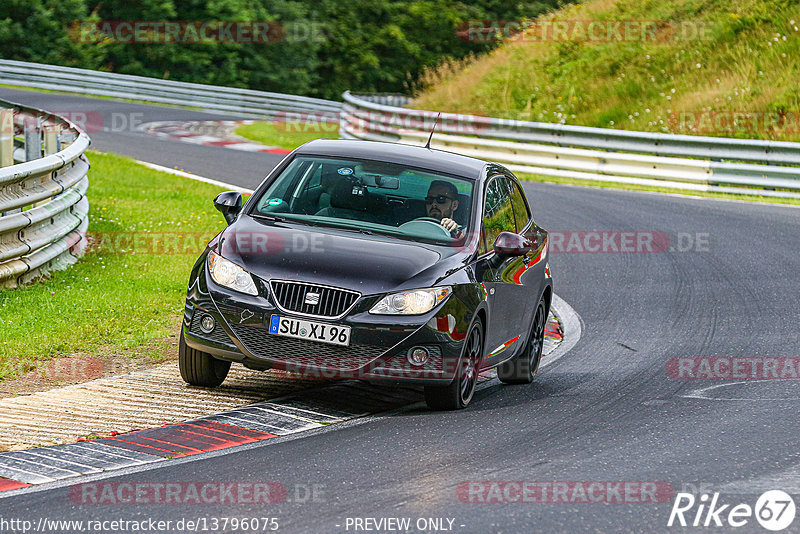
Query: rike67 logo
x=774 y=510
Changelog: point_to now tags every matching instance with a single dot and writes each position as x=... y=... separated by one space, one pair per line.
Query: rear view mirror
x=378 y=180
x=511 y=244
x=229 y=204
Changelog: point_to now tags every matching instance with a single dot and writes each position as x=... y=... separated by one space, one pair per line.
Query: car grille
x=217 y=335
x=305 y=353
x=331 y=303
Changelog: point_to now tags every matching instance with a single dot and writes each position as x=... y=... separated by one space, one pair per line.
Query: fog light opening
x=207 y=324
x=418 y=355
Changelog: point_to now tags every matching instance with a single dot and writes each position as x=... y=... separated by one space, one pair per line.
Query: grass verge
x=637 y=187
x=708 y=68
x=288 y=135
x=147 y=229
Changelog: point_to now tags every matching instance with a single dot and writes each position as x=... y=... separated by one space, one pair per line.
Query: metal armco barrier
x=243 y=102
x=767 y=168
x=44 y=212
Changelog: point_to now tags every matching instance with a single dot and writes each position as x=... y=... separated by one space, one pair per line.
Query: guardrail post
x=6 y=137
x=33 y=139
x=50 y=134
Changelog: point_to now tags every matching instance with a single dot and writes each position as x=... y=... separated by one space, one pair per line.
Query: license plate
x=301 y=329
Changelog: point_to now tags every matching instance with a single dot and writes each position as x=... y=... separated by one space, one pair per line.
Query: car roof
x=425 y=158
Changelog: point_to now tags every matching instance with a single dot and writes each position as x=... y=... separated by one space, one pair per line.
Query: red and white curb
x=298 y=412
x=208 y=133
x=256 y=422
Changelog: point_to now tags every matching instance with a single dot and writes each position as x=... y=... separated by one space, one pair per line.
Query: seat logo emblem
x=312 y=299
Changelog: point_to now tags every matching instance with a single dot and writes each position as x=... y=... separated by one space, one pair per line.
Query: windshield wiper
x=266 y=217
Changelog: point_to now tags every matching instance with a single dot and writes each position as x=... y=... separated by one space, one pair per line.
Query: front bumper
x=378 y=348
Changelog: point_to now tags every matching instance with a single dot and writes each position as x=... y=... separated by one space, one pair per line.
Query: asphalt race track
x=112 y=128
x=609 y=410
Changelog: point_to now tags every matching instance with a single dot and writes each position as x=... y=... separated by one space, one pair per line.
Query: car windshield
x=370 y=196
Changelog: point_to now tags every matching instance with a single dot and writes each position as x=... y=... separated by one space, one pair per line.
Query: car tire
x=200 y=369
x=460 y=391
x=522 y=368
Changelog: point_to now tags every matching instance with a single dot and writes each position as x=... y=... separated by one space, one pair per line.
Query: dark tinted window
x=498 y=215
x=380 y=197
x=521 y=214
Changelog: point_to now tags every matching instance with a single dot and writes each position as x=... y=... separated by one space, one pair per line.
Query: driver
x=441 y=202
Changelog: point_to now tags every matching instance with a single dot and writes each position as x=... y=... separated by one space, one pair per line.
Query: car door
x=505 y=296
x=529 y=275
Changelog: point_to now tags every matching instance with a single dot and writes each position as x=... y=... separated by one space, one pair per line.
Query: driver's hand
x=449 y=225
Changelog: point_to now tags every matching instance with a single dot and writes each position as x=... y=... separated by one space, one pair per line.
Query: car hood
x=369 y=264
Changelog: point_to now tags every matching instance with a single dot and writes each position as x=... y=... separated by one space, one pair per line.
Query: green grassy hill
x=695 y=66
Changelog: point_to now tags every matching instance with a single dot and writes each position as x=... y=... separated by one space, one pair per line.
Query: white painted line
x=701 y=393
x=195 y=177
x=311 y=413
x=280 y=413
x=51 y=458
x=673 y=195
x=788 y=480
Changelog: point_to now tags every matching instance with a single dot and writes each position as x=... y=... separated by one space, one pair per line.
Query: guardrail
x=742 y=166
x=44 y=212
x=242 y=102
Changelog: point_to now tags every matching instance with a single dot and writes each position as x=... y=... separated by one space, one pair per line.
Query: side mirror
x=511 y=244
x=229 y=204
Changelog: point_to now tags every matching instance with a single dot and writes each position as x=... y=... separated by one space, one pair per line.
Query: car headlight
x=411 y=302
x=228 y=274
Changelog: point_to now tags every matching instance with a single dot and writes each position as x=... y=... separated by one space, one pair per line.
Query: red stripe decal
x=137 y=447
x=186 y=438
x=6 y=484
x=231 y=429
x=165 y=445
x=519 y=273
x=226 y=437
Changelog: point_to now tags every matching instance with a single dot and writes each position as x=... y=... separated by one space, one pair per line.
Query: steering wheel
x=425 y=223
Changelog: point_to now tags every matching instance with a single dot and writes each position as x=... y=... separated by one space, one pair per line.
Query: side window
x=521 y=213
x=498 y=215
x=316 y=177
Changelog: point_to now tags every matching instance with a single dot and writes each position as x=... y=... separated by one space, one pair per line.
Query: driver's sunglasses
x=439 y=199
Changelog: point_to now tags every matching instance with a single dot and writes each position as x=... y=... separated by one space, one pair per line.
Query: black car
x=373 y=261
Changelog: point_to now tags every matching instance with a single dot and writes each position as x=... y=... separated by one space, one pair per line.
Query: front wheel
x=459 y=392
x=200 y=369
x=522 y=368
